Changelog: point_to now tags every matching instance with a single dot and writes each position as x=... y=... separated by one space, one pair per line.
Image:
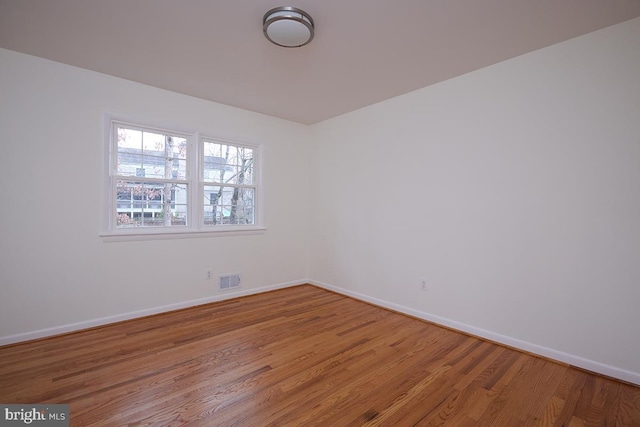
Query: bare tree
x=239 y=215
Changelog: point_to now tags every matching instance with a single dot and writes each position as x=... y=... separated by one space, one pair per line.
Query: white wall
x=514 y=189
x=55 y=270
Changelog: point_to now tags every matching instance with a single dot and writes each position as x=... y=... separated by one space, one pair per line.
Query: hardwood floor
x=302 y=356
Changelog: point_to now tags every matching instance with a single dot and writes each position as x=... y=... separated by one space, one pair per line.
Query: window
x=163 y=182
x=229 y=184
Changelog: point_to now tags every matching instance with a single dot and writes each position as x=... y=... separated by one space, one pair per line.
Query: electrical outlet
x=423 y=284
x=208 y=275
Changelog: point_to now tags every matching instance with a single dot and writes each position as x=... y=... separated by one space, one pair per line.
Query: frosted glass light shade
x=288 y=26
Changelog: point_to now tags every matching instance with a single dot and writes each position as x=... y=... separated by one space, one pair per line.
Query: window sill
x=131 y=236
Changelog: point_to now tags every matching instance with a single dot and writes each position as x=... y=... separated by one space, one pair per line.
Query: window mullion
x=193 y=172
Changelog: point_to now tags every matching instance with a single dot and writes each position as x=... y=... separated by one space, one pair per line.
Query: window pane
x=153 y=167
x=213 y=213
x=242 y=206
x=142 y=204
x=151 y=155
x=211 y=149
x=153 y=143
x=129 y=138
x=227 y=164
x=229 y=205
x=245 y=166
x=247 y=169
x=214 y=171
x=129 y=164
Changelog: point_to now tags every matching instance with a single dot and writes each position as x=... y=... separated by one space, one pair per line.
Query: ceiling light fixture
x=288 y=26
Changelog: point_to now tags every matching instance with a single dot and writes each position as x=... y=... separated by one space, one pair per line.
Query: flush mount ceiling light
x=288 y=26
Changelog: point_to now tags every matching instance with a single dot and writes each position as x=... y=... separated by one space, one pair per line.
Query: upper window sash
x=155 y=166
x=146 y=152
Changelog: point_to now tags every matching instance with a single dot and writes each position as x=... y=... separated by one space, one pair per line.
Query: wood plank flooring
x=302 y=356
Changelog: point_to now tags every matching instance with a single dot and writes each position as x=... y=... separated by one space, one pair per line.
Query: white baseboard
x=590 y=365
x=72 y=327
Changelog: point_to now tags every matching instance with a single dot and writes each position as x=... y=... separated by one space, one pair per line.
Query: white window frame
x=255 y=185
x=194 y=178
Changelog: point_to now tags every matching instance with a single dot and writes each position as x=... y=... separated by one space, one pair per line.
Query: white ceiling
x=364 y=51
